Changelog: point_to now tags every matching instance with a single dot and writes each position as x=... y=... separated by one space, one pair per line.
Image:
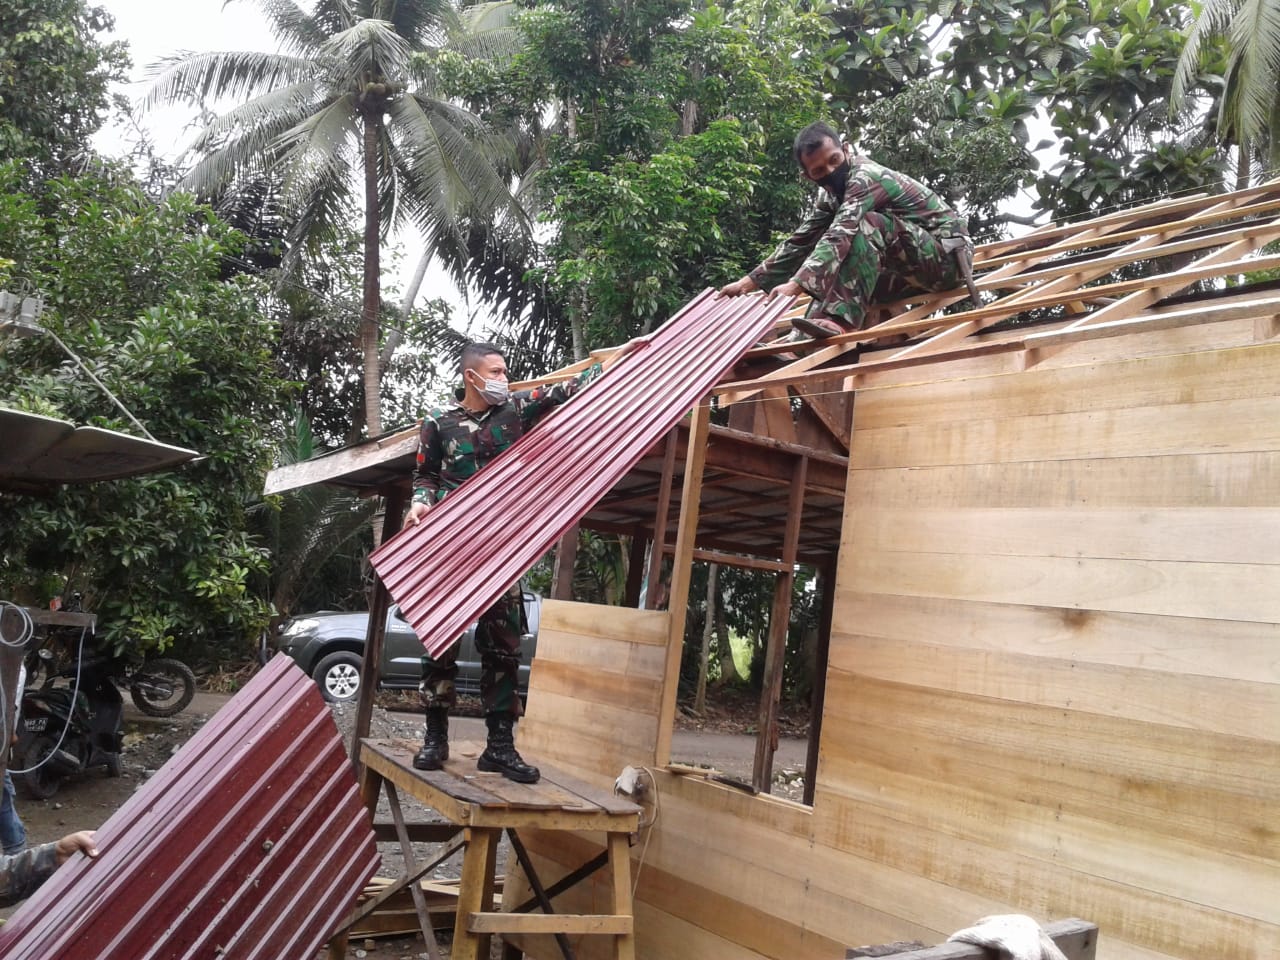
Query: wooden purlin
x=949 y=337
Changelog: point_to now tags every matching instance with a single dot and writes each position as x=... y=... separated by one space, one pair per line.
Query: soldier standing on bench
x=872 y=227
x=454 y=444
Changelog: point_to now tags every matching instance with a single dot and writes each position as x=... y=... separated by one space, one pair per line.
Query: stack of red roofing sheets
x=251 y=842
x=485 y=535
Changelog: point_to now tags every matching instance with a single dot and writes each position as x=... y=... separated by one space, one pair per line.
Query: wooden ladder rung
x=549 y=923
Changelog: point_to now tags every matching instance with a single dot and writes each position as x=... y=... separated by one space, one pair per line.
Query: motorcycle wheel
x=163 y=687
x=40 y=783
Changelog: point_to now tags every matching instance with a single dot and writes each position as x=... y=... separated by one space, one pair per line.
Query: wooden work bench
x=481 y=806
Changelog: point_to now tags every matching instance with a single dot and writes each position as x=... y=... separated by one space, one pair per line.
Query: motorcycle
x=66 y=730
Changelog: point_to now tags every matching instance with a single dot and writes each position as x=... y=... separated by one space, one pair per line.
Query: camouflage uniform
x=884 y=236
x=22 y=873
x=454 y=445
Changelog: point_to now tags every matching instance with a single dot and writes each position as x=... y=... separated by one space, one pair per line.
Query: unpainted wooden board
x=1204 y=535
x=614 y=623
x=1222 y=426
x=566 y=714
x=871 y=811
x=1211 y=788
x=1043 y=889
x=590 y=653
x=1196 y=703
x=638 y=693
x=1232 y=591
x=1194 y=480
x=1233 y=374
x=1182 y=339
x=1229 y=649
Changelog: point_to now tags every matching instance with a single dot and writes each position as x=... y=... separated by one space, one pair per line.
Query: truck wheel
x=338 y=675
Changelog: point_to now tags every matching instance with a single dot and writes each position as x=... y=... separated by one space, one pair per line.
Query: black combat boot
x=500 y=753
x=435 y=744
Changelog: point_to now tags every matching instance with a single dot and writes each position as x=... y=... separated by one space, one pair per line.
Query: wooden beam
x=660 y=520
x=681 y=570
x=635 y=570
x=1077 y=939
x=736 y=560
x=775 y=652
x=548 y=923
x=566 y=556
x=379 y=603
x=818 y=697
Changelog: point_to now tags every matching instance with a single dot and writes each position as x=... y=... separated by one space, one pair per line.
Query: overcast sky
x=154 y=31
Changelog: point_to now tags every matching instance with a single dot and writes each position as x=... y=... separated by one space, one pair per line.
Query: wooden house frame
x=1051 y=655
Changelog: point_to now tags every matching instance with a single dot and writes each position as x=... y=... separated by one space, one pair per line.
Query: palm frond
x=417 y=21
x=1255 y=56
x=292 y=101
x=370 y=48
x=323 y=146
x=186 y=77
x=296 y=29
x=334 y=16
x=1214 y=17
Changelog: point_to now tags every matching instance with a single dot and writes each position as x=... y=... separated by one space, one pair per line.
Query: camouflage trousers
x=498 y=633
x=884 y=258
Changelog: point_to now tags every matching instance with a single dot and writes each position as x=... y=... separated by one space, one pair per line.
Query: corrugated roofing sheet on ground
x=485 y=535
x=252 y=842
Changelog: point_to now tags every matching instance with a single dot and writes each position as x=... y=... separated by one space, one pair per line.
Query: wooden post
x=660 y=518
x=681 y=568
x=379 y=603
x=818 y=698
x=566 y=555
x=779 y=620
x=635 y=570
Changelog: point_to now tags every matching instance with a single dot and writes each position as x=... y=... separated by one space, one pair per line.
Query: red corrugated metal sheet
x=485 y=535
x=251 y=842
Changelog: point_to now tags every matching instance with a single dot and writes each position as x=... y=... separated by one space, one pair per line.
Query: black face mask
x=836 y=180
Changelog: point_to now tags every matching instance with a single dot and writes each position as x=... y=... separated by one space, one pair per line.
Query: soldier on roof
x=454 y=444
x=872 y=227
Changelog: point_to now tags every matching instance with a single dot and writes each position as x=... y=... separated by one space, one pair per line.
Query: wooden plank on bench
x=1078 y=939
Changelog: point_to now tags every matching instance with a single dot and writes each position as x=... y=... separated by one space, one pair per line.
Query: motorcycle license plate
x=36 y=724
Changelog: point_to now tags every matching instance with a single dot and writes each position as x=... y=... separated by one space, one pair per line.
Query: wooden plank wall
x=1054 y=684
x=1055 y=666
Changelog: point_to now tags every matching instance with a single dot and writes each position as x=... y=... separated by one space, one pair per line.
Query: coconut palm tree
x=1249 y=111
x=348 y=108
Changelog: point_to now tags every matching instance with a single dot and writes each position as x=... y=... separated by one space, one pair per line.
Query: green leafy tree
x=134 y=289
x=55 y=78
x=347 y=113
x=1101 y=74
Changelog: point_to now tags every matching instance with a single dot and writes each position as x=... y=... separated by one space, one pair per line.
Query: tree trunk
x=369 y=309
x=700 y=698
x=724 y=650
x=1244 y=165
x=394 y=336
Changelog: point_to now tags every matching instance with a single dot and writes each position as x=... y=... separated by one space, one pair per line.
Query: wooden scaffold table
x=484 y=806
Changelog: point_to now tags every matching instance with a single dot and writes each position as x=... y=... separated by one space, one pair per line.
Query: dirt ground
x=723 y=738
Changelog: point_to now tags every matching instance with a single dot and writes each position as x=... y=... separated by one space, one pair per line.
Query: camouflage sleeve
x=535 y=404
x=819 y=271
x=426 y=471
x=782 y=263
x=22 y=873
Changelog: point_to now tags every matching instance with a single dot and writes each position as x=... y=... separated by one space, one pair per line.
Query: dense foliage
x=133 y=289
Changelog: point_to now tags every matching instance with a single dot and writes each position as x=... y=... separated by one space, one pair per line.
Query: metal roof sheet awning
x=479 y=540
x=38 y=453
x=251 y=842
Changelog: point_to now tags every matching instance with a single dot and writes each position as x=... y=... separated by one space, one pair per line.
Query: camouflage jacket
x=456 y=443
x=21 y=873
x=808 y=255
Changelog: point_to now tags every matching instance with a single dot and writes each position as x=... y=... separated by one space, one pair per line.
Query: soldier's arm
x=819 y=270
x=782 y=263
x=430 y=459
x=536 y=403
x=22 y=873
